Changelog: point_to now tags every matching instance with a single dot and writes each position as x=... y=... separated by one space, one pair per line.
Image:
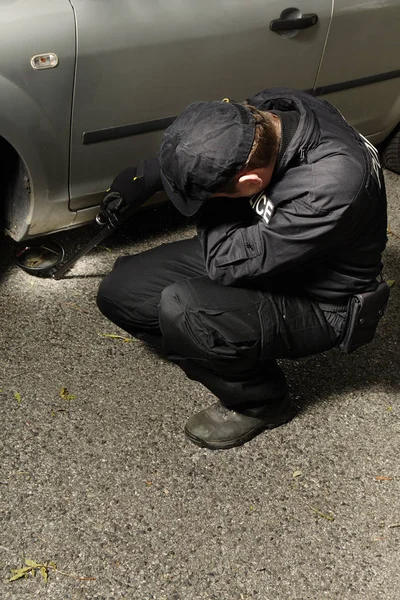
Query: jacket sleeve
x=297 y=234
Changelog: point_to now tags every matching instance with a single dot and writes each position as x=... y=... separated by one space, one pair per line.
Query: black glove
x=134 y=185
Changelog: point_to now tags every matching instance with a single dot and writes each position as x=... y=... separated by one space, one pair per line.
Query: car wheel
x=391 y=152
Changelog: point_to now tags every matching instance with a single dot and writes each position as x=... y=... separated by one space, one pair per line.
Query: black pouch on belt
x=364 y=312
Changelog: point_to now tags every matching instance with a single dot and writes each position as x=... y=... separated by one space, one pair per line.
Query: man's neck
x=276 y=122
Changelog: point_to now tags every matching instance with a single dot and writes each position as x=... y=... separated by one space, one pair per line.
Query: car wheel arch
x=15 y=191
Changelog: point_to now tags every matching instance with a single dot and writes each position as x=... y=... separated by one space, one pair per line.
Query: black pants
x=227 y=338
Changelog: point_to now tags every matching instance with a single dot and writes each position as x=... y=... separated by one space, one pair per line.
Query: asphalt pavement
x=97 y=478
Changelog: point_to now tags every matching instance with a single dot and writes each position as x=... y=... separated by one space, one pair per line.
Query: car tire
x=391 y=153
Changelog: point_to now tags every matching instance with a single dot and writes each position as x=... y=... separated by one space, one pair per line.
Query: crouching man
x=290 y=207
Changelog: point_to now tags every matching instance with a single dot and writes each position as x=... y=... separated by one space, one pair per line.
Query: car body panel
x=162 y=55
x=35 y=118
x=363 y=43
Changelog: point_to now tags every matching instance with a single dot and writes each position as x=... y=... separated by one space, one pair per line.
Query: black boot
x=218 y=427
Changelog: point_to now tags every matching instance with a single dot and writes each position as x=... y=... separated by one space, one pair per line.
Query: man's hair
x=263 y=151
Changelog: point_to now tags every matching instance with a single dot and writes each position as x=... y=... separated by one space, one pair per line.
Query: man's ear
x=249 y=184
x=250 y=178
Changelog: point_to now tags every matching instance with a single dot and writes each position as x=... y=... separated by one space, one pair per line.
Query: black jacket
x=319 y=228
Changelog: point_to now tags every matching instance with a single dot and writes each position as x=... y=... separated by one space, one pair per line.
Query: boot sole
x=237 y=441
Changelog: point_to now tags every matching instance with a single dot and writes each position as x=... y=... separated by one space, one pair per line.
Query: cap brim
x=187 y=206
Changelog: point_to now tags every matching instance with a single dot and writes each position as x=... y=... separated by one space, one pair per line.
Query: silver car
x=87 y=86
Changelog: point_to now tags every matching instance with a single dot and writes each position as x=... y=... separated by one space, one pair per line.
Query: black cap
x=203 y=149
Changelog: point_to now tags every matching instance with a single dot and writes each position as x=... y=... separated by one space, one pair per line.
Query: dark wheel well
x=10 y=161
x=14 y=192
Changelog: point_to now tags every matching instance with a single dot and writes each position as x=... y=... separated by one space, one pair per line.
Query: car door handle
x=291 y=24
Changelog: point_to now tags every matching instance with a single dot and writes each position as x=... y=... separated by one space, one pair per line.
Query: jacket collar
x=307 y=132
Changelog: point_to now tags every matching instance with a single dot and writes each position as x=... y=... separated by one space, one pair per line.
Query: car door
x=360 y=72
x=140 y=62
